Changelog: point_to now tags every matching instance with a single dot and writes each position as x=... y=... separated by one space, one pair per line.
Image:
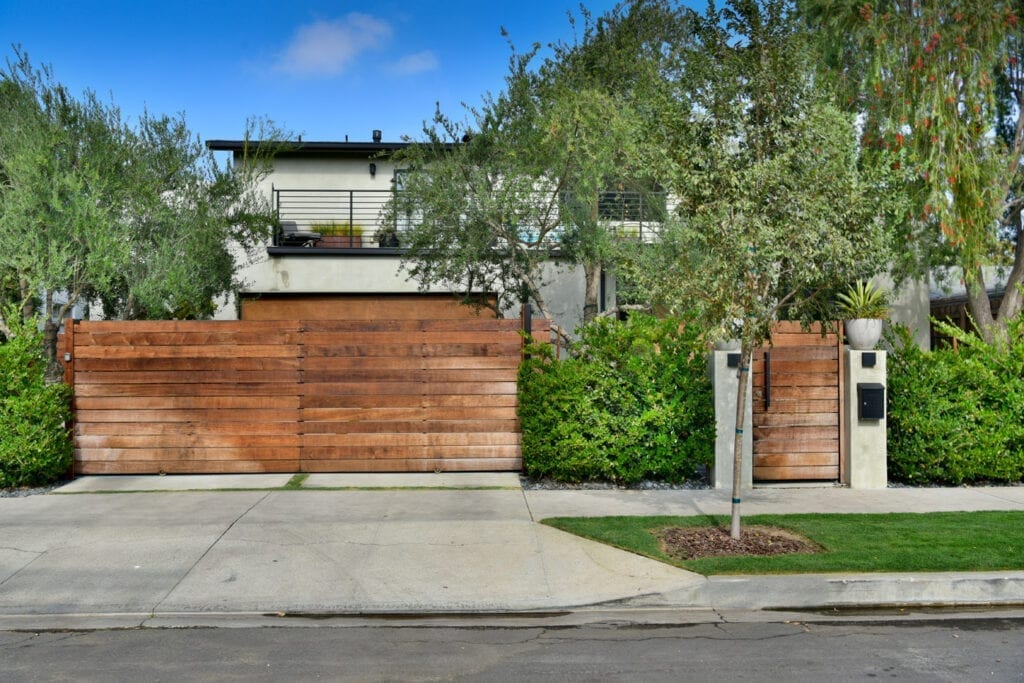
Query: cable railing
x=350 y=218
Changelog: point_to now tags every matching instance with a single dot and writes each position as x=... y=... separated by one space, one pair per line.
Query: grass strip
x=898 y=542
x=295 y=482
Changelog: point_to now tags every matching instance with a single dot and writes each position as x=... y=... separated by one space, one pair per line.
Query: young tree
x=940 y=85
x=773 y=212
x=490 y=202
x=138 y=218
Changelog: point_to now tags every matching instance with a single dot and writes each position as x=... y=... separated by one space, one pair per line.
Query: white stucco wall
x=911 y=307
x=330 y=174
x=369 y=274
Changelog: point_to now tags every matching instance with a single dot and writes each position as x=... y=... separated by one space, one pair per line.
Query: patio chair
x=291 y=236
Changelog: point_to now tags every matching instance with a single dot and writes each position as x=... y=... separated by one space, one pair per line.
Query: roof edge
x=304 y=147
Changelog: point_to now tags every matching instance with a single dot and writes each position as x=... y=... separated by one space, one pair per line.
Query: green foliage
x=864 y=299
x=336 y=229
x=35 y=447
x=139 y=217
x=938 y=87
x=487 y=203
x=632 y=402
x=774 y=212
x=955 y=415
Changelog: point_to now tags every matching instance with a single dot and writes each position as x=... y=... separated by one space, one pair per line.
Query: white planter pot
x=863 y=334
x=728 y=345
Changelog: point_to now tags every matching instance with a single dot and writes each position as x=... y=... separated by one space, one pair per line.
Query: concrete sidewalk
x=129 y=551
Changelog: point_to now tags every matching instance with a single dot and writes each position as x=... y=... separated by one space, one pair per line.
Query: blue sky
x=317 y=68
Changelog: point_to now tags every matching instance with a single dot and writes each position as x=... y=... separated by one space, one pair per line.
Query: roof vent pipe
x=376 y=135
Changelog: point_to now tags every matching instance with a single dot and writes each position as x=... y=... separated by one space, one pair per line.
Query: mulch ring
x=694 y=543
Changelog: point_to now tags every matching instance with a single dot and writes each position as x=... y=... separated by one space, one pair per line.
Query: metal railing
x=351 y=213
x=362 y=213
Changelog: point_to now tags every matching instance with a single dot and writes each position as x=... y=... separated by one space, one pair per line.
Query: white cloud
x=416 y=63
x=327 y=48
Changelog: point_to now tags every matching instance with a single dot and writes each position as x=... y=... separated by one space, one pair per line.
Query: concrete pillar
x=725 y=383
x=865 y=459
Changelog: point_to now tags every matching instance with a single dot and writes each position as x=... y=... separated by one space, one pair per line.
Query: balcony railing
x=354 y=218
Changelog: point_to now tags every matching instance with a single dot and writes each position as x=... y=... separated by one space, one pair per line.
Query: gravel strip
x=29 y=491
x=552 y=485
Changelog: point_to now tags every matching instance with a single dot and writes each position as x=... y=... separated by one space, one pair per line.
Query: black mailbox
x=870 y=401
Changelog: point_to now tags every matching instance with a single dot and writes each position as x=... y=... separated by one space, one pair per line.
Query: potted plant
x=336 y=235
x=387 y=236
x=863 y=307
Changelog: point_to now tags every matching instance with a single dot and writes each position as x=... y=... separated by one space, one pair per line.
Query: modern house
x=339 y=361
x=334 y=248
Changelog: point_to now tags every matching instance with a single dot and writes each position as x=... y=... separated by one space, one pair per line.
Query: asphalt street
x=951 y=647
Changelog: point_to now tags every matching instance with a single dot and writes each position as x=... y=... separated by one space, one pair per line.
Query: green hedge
x=35 y=448
x=956 y=417
x=632 y=402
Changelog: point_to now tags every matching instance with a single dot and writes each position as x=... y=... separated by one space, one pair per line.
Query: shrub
x=632 y=402
x=35 y=448
x=955 y=416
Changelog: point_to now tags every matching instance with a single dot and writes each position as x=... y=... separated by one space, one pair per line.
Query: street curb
x=823 y=591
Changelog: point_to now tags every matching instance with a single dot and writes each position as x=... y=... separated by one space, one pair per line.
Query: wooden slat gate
x=295 y=396
x=796 y=404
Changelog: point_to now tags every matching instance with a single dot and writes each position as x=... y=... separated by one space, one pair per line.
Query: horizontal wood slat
x=797 y=379
x=83 y=465
x=796 y=393
x=165 y=453
x=299 y=395
x=802 y=473
x=796 y=405
x=447 y=464
x=795 y=445
x=801 y=419
x=798 y=353
x=812 y=459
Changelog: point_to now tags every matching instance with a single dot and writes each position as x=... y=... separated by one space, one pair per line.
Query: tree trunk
x=28 y=305
x=54 y=370
x=1013 y=301
x=746 y=355
x=592 y=291
x=991 y=329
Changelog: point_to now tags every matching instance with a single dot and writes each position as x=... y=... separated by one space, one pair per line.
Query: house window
x=628 y=206
x=622 y=206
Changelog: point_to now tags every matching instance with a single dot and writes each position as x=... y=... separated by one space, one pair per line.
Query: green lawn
x=930 y=542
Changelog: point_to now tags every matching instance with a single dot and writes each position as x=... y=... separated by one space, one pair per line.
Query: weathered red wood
x=810 y=459
x=808 y=473
x=172 y=402
x=125 y=466
x=189 y=351
x=485 y=464
x=185 y=454
x=173 y=428
x=204 y=439
x=796 y=412
x=195 y=416
x=324 y=395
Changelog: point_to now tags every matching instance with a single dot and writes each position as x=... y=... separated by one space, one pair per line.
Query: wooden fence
x=797 y=385
x=295 y=396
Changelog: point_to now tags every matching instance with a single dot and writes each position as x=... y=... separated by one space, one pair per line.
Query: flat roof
x=312 y=147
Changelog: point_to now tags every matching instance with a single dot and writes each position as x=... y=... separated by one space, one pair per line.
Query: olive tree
x=519 y=184
x=138 y=219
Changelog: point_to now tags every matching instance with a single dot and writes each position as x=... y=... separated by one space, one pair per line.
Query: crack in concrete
x=23 y=567
x=22 y=550
x=206 y=552
x=526 y=502
x=993 y=494
x=19 y=643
